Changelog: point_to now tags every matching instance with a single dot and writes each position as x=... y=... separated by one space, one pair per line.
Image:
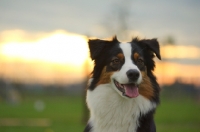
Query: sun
x=58 y=47
x=57 y=57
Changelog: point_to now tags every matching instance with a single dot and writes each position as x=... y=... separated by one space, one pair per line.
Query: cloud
x=153 y=19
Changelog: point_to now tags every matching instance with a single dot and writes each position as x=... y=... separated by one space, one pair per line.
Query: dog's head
x=126 y=66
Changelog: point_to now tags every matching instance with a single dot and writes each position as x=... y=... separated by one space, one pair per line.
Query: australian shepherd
x=123 y=93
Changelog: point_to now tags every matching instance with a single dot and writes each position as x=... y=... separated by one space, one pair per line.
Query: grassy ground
x=178 y=115
x=64 y=114
x=60 y=114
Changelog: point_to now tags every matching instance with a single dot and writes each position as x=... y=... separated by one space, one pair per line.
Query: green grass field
x=64 y=114
x=180 y=115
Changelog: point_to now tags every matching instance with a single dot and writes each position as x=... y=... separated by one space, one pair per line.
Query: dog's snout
x=133 y=74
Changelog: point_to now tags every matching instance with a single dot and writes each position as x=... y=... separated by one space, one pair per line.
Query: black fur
x=88 y=128
x=147 y=123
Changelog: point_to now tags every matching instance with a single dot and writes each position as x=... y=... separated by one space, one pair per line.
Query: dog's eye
x=140 y=63
x=115 y=61
x=140 y=60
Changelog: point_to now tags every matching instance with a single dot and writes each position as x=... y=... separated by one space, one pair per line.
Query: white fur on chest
x=112 y=113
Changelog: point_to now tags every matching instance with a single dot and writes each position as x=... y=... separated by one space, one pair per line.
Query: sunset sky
x=46 y=41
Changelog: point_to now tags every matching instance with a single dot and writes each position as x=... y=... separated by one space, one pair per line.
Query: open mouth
x=130 y=90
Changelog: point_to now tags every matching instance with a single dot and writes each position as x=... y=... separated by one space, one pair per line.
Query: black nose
x=133 y=74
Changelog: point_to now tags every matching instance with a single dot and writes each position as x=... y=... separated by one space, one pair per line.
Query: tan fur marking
x=105 y=77
x=120 y=56
x=145 y=87
x=135 y=56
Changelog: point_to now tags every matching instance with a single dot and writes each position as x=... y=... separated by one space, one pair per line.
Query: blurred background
x=44 y=59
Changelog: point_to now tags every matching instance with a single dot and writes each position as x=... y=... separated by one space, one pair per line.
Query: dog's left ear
x=153 y=45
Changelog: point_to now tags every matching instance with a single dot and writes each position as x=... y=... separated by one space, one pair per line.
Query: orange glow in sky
x=180 y=51
x=58 y=56
x=57 y=47
x=62 y=57
x=168 y=72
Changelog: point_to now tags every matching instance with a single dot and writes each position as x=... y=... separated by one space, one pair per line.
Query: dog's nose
x=133 y=74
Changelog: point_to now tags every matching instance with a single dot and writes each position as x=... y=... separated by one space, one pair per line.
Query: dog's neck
x=112 y=113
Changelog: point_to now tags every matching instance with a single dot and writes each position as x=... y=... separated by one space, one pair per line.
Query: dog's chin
x=128 y=90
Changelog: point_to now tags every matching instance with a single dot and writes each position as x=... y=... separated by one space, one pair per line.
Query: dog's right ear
x=96 y=46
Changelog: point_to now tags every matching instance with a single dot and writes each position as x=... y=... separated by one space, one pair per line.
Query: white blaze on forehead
x=127 y=51
x=126 y=48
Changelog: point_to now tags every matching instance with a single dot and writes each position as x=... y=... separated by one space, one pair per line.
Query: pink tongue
x=131 y=90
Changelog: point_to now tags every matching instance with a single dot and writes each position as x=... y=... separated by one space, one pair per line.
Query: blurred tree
x=12 y=94
x=169 y=40
x=118 y=20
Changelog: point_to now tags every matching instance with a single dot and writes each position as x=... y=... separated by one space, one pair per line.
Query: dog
x=123 y=93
